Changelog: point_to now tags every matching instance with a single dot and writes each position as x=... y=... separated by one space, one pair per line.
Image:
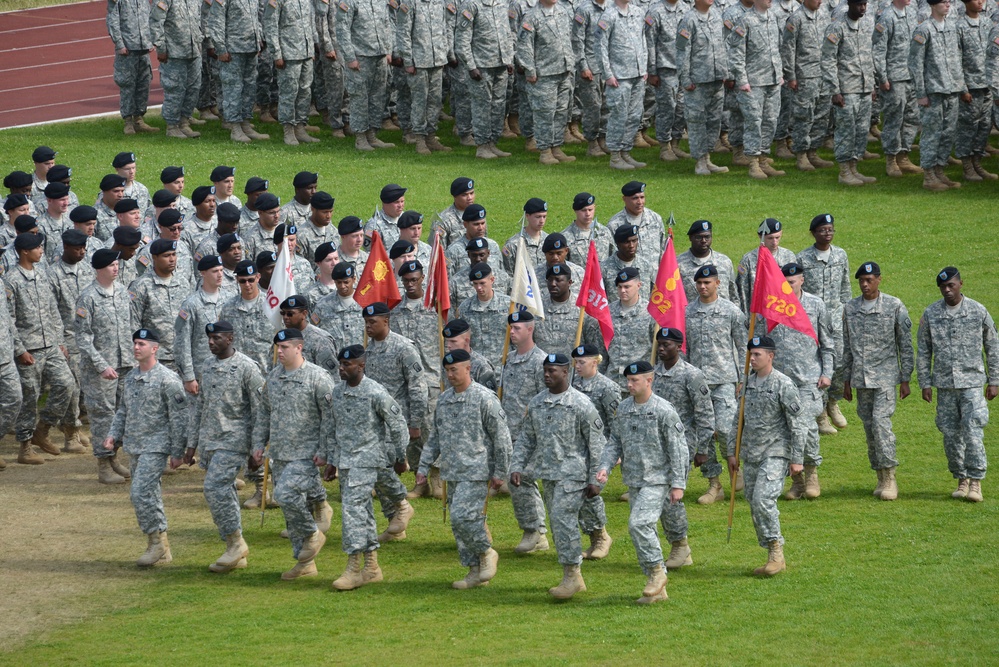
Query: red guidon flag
x=774 y=300
x=437 y=295
x=593 y=297
x=377 y=282
x=668 y=301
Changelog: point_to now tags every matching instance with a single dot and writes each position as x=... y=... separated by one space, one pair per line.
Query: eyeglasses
x=245 y=281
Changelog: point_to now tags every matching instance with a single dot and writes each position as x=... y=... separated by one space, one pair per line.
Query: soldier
x=892 y=34
x=175 y=32
x=316 y=229
x=326 y=260
x=801 y=53
x=200 y=309
x=634 y=328
x=230 y=249
x=124 y=166
x=290 y=31
x=486 y=313
x=245 y=312
x=112 y=191
x=338 y=314
x=224 y=180
x=125 y=241
x=236 y=34
x=319 y=347
x=352 y=238
x=938 y=81
x=647 y=437
x=10 y=379
x=424 y=41
x=302 y=272
x=586 y=227
x=568 y=425
x=556 y=251
x=255 y=186
x=877 y=355
x=386 y=218
x=53 y=218
x=770 y=232
x=260 y=237
x=44 y=159
x=471 y=439
x=773 y=442
x=171 y=228
x=160 y=201
x=458 y=336
x=952 y=334
x=661 y=23
x=128 y=26
x=199 y=225
x=365 y=48
x=449 y=221
x=150 y=423
x=626 y=238
x=700 y=253
x=974 y=119
x=368 y=432
x=534 y=234
x=157 y=297
x=296 y=412
x=623 y=55
x=226 y=223
x=558 y=330
x=172 y=179
x=226 y=427
x=476 y=226
x=651 y=229
x=590 y=83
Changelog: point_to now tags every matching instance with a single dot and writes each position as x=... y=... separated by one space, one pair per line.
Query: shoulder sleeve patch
x=131 y=295
x=162 y=5
x=451 y=8
x=704 y=390
x=650 y=20
x=314 y=318
x=740 y=31
x=343 y=6
x=602 y=24
x=683 y=32
x=678 y=426
x=728 y=23
x=880 y=27
x=328 y=398
x=580 y=19
x=81 y=312
x=919 y=38
x=527 y=26
x=143 y=260
x=183 y=314
x=833 y=37
x=790 y=27
x=908 y=323
x=598 y=425
x=795 y=407
x=467 y=14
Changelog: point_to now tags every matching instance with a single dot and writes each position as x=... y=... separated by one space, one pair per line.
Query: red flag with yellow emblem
x=377 y=282
x=774 y=300
x=668 y=302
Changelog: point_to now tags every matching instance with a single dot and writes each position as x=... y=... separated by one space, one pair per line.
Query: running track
x=57 y=63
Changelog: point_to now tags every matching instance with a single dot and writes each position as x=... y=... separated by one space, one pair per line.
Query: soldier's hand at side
x=903 y=390
x=824 y=382
x=475 y=74
x=109 y=374
x=400 y=467
x=733 y=465
x=175 y=462
x=691 y=87
x=654 y=80
x=966 y=98
x=414 y=433
x=162 y=56
x=531 y=79
x=354 y=65
x=26 y=359
x=319 y=460
x=410 y=70
x=847 y=392
x=886 y=86
x=675 y=495
x=796 y=468
x=495 y=483
x=108 y=443
x=591 y=491
x=212 y=53
x=256 y=460
x=586 y=74
x=745 y=88
x=225 y=58
x=838 y=100
x=793 y=85
x=729 y=83
x=515 y=478
x=923 y=101
x=122 y=51
x=991 y=392
x=612 y=82
x=330 y=473
x=65 y=352
x=189 y=456
x=928 y=394
x=421 y=479
x=330 y=55
x=700 y=459
x=509 y=69
x=279 y=63
x=191 y=387
x=602 y=477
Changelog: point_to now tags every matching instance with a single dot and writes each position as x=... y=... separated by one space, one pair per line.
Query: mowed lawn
x=910 y=582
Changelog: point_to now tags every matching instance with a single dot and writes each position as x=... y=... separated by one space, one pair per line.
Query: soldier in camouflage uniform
x=877 y=356
x=626 y=238
x=424 y=41
x=476 y=227
x=590 y=82
x=236 y=35
x=317 y=229
x=173 y=182
x=651 y=228
x=458 y=336
x=471 y=440
x=892 y=34
x=533 y=233
x=290 y=31
x=10 y=379
x=661 y=22
x=245 y=311
x=338 y=314
x=801 y=53
x=448 y=221
x=953 y=332
x=364 y=39
x=770 y=233
x=557 y=332
x=200 y=309
x=124 y=166
x=319 y=347
x=385 y=219
x=773 y=443
x=701 y=253
x=175 y=31
x=586 y=226
x=623 y=55
x=150 y=423
x=974 y=115
x=157 y=296
x=260 y=236
x=486 y=313
x=128 y=25
x=634 y=328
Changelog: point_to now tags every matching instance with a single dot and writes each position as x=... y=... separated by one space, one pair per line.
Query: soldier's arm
x=578 y=40
x=796 y=421
x=704 y=413
x=494 y=422
x=183 y=343
x=612 y=451
x=525 y=50
x=412 y=370
x=830 y=57
x=737 y=54
x=254 y=385
x=404 y=21
x=323 y=38
x=847 y=350
x=195 y=413
x=601 y=44
x=684 y=36
x=591 y=432
x=739 y=335
x=789 y=48
x=652 y=41
x=157 y=17
x=83 y=324
x=19 y=348
x=114 y=25
x=264 y=420
x=431 y=450
x=845 y=289
x=674 y=442
x=924 y=351
x=883 y=30
x=175 y=400
x=917 y=60
x=463 y=35
x=903 y=338
x=324 y=401
x=395 y=422
x=271 y=26
x=215 y=26
x=525 y=445
x=117 y=430
x=827 y=349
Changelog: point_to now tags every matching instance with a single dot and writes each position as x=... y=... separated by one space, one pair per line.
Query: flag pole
x=506 y=338
x=582 y=311
x=655 y=336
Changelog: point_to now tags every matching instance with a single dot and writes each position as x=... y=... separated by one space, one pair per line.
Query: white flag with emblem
x=282 y=286
x=525 y=291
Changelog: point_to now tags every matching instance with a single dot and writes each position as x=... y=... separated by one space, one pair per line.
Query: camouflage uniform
x=651 y=238
x=10 y=379
x=848 y=70
x=591 y=92
x=386 y=227
x=128 y=26
x=257 y=240
x=754 y=59
x=67 y=281
x=892 y=35
x=155 y=304
x=950 y=358
x=320 y=349
x=190 y=342
x=974 y=119
x=521 y=380
x=253 y=331
x=395 y=364
x=731 y=14
x=535 y=255
x=234 y=29
x=557 y=332
x=578 y=240
x=662 y=22
x=310 y=237
x=827 y=276
x=186 y=264
x=745 y=276
x=449 y=223
x=329 y=74
x=341 y=318
x=623 y=54
x=610 y=267
x=688 y=265
x=935 y=65
x=175 y=26
x=418 y=324
x=483 y=41
x=290 y=31
x=456 y=255
x=634 y=330
x=487 y=321
x=363 y=34
x=801 y=53
x=544 y=51
x=702 y=61
x=424 y=40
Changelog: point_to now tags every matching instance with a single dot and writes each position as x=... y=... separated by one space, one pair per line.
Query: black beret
x=706 y=271
x=219 y=327
x=699 y=227
x=222 y=172
x=626 y=274
x=24 y=223
x=400 y=248
x=245 y=267
x=58 y=172
x=112 y=181
x=480 y=270
x=43 y=154
x=582 y=200
x=126 y=236
x=288 y=334
x=83 y=214
x=323 y=251
x=455 y=357
x=283 y=230
x=104 y=257
x=343 y=270
x=632 y=188
x=769 y=226
x=819 y=220
x=201 y=193
x=535 y=205
x=625 y=232
x=255 y=184
x=461 y=185
x=559 y=270
x=351 y=352
x=209 y=262
x=146 y=334
x=267 y=202
x=792 y=269
x=556 y=359
x=171 y=174
x=948 y=273
x=479 y=243
x=473 y=212
x=670 y=333
x=349 y=225
x=391 y=193
x=376 y=309
x=322 y=201
x=637 y=368
x=227 y=212
x=28 y=241
x=762 y=343
x=410 y=219
x=304 y=179
x=160 y=246
x=264 y=259
x=455 y=328
x=295 y=302
x=410 y=267
x=19 y=200
x=17 y=179
x=122 y=159
x=163 y=198
x=585 y=350
x=554 y=242
x=868 y=269
x=125 y=205
x=74 y=238
x=520 y=316
x=56 y=190
x=170 y=217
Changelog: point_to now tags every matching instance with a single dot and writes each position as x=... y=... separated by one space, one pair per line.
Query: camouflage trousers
x=390 y=490
x=359 y=532
x=145 y=491
x=648 y=106
x=875 y=408
x=550 y=97
x=466 y=501
x=901 y=118
x=221 y=467
x=10 y=395
x=725 y=407
x=267 y=93
x=399 y=92
x=783 y=130
x=72 y=415
x=528 y=508
x=624 y=104
x=669 y=106
x=593 y=515
x=328 y=89
x=368 y=91
x=646 y=508
x=210 y=83
x=564 y=500
x=49 y=370
x=736 y=124
x=101 y=398
x=294 y=91
x=962 y=415
x=674 y=520
x=764 y=482
x=835 y=391
x=132 y=74
x=181 y=81
x=704 y=107
x=974 y=122
x=239 y=86
x=809 y=115
x=853 y=122
x=521 y=100
x=461 y=99
x=939 y=122
x=760 y=107
x=812 y=405
x=293 y=480
x=425 y=99
x=593 y=107
x=488 y=104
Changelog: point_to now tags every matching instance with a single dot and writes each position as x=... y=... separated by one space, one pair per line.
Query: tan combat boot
x=129 y=126
x=496 y=150
x=371 y=573
x=666 y=153
x=467 y=140
x=775 y=561
x=890 y=490
x=783 y=150
x=303 y=136
x=72 y=445
x=361 y=142
x=650 y=140
x=677 y=151
x=812 y=488
x=483 y=153
x=942 y=177
x=846 y=176
x=142 y=126
x=626 y=156
x=625 y=497
x=531 y=542
x=409 y=138
x=835 y=414
x=962 y=489
x=902 y=160
x=3 y=464
x=235 y=553
x=701 y=168
x=531 y=145
x=471 y=580
x=311 y=547
x=185 y=127
x=714 y=168
x=436 y=484
x=322 y=513
x=881 y=484
x=767 y=166
x=593 y=149
x=969 y=170
x=27 y=454
x=891 y=166
x=640 y=141
x=267 y=116
x=797 y=489
x=386 y=537
x=817 y=162
x=975 y=491
x=253 y=502
x=158 y=550
x=656 y=582
x=825 y=428
x=419 y=491
x=739 y=157
x=976 y=161
x=174 y=132
x=560 y=155
x=421 y=145
x=400 y=520
x=546 y=158
x=679 y=555
x=106 y=474
x=375 y=142
x=289 y=135
x=306 y=569
x=618 y=162
x=714 y=493
x=802 y=163
x=600 y=544
x=932 y=183
x=575 y=131
x=740 y=481
x=568 y=137
x=434 y=144
x=41 y=439
x=726 y=147
x=572 y=583
x=755 y=170
x=507 y=132
x=488 y=561
x=602 y=141
x=237 y=134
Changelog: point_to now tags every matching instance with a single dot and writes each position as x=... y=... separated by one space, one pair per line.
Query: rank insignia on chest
x=919 y=38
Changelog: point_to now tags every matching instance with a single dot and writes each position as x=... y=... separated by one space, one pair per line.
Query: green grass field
x=909 y=582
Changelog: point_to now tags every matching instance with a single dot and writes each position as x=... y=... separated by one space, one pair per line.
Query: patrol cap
x=322 y=201
x=343 y=270
x=473 y=212
x=17 y=179
x=868 y=269
x=632 y=188
x=126 y=236
x=769 y=226
x=255 y=184
x=670 y=333
x=792 y=269
x=455 y=328
x=221 y=326
x=461 y=185
x=267 y=202
x=295 y=302
x=400 y=248
x=222 y=172
x=171 y=217
x=391 y=192
x=171 y=174
x=304 y=179
x=124 y=205
x=558 y=270
x=122 y=159
x=104 y=257
x=479 y=243
x=582 y=200
x=19 y=200
x=288 y=334
x=112 y=181
x=227 y=212
x=74 y=238
x=455 y=357
x=264 y=259
x=554 y=242
x=535 y=205
x=479 y=271
x=410 y=219
x=246 y=268
x=25 y=223
x=409 y=267
x=762 y=343
x=201 y=193
x=699 y=227
x=351 y=352
x=323 y=251
x=376 y=309
x=626 y=274
x=948 y=273
x=160 y=246
x=520 y=316
x=283 y=230
x=59 y=172
x=637 y=368
x=146 y=334
x=556 y=359
x=706 y=271
x=585 y=350
x=43 y=154
x=56 y=190
x=349 y=225
x=28 y=241
x=819 y=220
x=163 y=198
x=209 y=262
x=625 y=232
